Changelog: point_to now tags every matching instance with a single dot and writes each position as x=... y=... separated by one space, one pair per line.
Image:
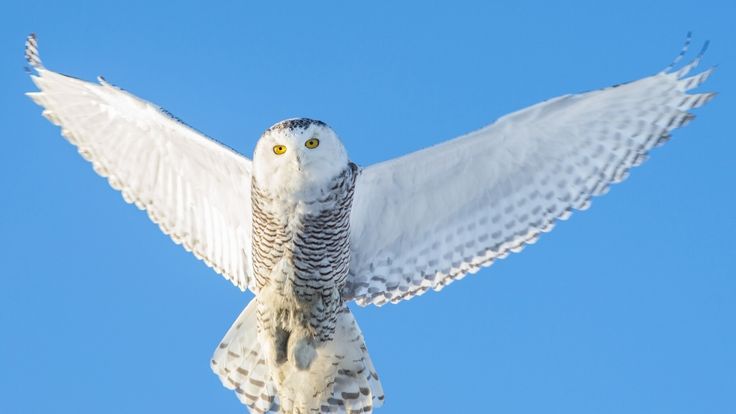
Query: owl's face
x=297 y=155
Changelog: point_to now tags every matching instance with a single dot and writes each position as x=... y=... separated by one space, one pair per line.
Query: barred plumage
x=301 y=257
x=312 y=236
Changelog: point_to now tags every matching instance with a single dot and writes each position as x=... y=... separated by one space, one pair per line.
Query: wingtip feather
x=681 y=54
x=37 y=97
x=31 y=52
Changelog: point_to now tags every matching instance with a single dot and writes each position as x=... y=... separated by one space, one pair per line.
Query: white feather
x=196 y=189
x=428 y=218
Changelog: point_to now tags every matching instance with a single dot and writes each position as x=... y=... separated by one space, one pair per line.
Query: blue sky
x=629 y=307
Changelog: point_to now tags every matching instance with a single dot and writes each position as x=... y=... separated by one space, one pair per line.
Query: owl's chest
x=300 y=248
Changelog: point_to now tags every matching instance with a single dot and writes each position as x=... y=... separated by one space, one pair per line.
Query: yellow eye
x=279 y=149
x=312 y=143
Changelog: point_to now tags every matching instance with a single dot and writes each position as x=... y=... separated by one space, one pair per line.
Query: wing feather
x=423 y=220
x=196 y=189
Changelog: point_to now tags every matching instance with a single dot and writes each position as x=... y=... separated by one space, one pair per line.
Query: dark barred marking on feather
x=296 y=123
x=683 y=51
x=31 y=52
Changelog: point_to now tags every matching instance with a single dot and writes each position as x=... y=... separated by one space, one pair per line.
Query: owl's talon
x=303 y=353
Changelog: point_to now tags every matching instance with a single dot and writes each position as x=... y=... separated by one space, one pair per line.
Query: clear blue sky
x=629 y=307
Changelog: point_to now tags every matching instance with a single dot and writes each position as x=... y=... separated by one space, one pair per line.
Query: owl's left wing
x=196 y=189
x=423 y=220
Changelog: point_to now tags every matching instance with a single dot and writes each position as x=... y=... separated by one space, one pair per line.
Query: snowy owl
x=308 y=231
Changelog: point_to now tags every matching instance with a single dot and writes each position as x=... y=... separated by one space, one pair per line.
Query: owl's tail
x=241 y=365
x=356 y=388
x=343 y=364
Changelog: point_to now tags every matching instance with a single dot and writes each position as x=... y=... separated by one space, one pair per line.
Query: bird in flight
x=308 y=231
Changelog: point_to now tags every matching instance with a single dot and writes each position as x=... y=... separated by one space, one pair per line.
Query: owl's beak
x=298 y=163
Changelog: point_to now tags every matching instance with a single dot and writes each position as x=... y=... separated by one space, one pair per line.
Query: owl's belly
x=293 y=321
x=295 y=304
x=294 y=329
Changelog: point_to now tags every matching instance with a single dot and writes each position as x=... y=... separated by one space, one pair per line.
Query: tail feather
x=241 y=365
x=356 y=388
x=342 y=378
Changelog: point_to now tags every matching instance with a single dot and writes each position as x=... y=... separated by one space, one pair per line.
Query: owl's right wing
x=195 y=189
x=428 y=218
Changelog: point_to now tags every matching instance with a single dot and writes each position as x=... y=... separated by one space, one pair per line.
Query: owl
x=308 y=231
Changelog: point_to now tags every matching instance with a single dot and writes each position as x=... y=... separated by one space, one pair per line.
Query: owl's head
x=298 y=154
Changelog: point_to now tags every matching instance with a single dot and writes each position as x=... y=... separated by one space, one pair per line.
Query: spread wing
x=423 y=220
x=195 y=189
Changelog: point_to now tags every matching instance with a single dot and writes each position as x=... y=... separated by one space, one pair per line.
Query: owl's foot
x=303 y=352
x=280 y=344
